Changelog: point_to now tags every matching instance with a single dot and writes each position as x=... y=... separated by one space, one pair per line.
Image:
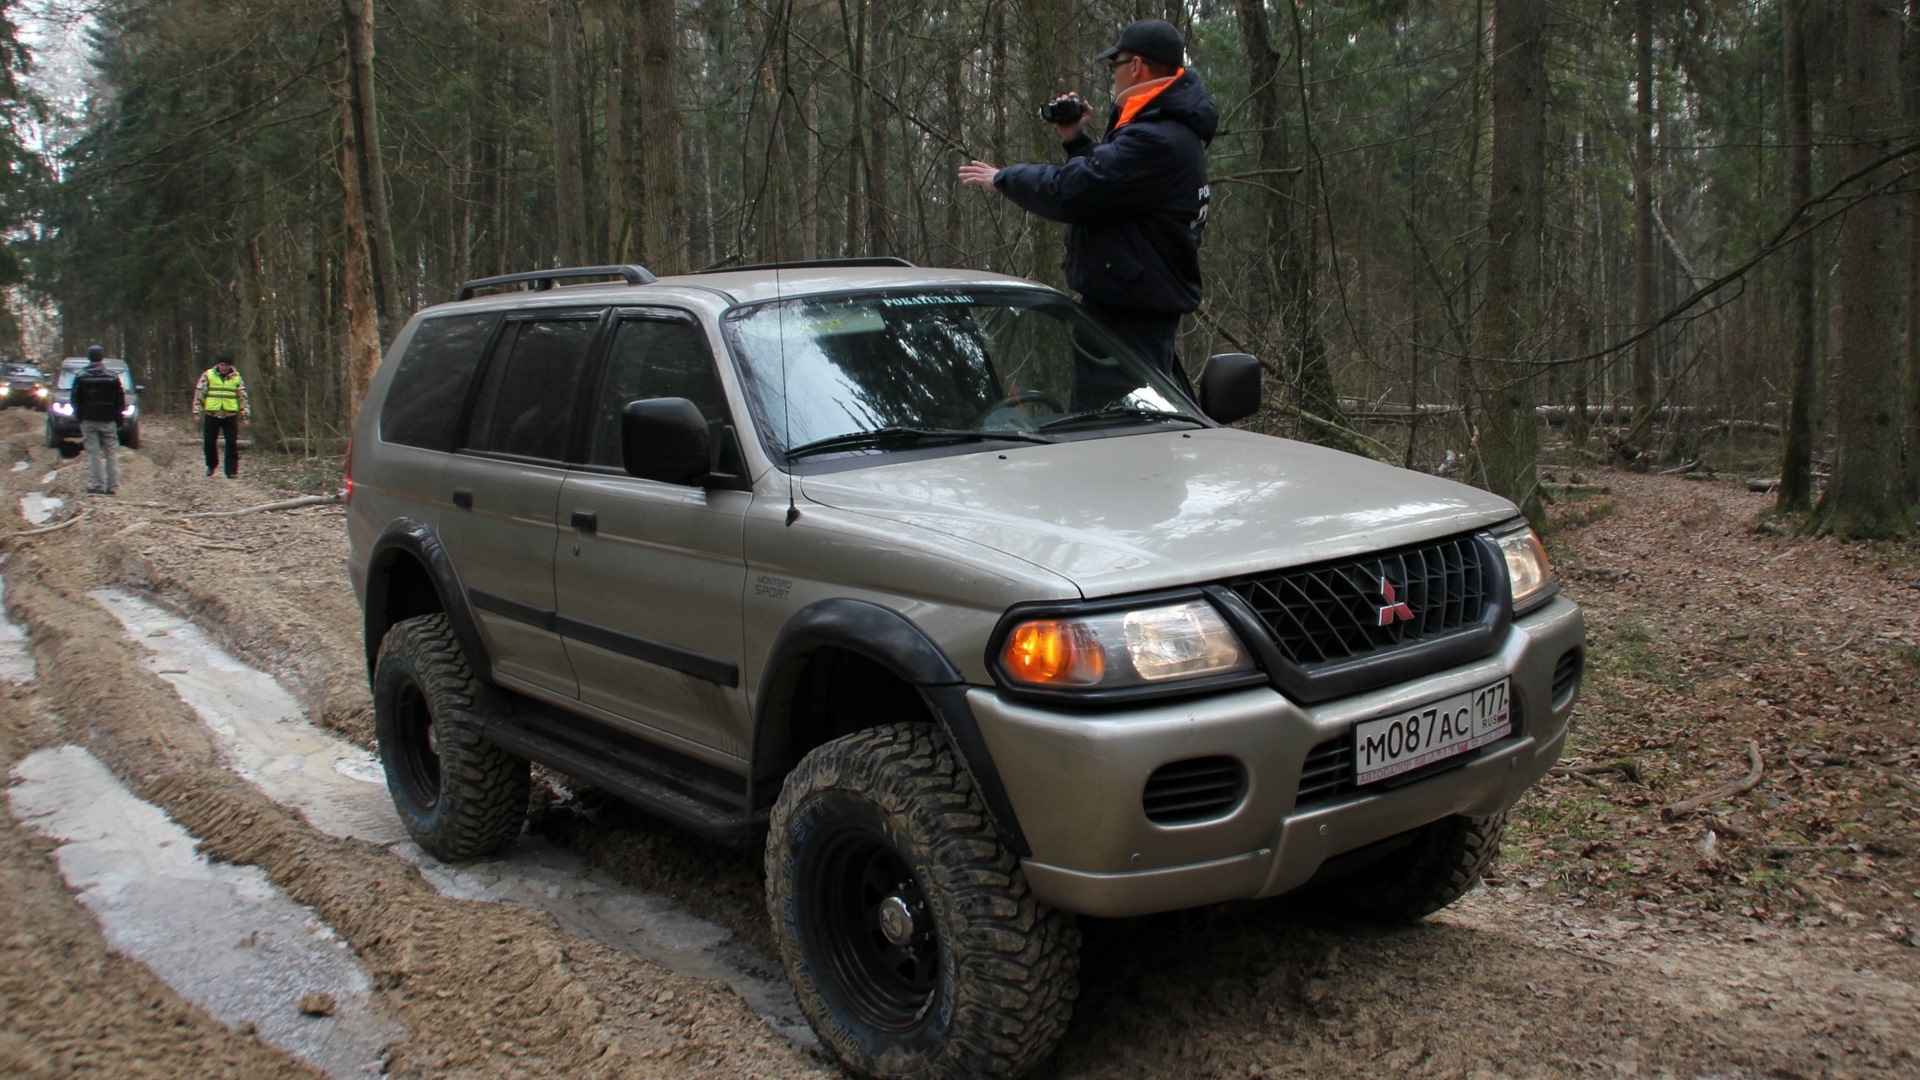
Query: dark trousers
x=212 y=427
x=1151 y=333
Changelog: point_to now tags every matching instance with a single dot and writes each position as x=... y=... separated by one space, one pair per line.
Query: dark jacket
x=1135 y=201
x=98 y=395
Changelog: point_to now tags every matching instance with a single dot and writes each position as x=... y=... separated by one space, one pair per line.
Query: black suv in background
x=62 y=424
x=23 y=384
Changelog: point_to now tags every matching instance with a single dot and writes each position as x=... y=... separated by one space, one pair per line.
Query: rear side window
x=526 y=403
x=430 y=387
x=652 y=359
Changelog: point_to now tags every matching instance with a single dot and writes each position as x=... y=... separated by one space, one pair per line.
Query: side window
x=526 y=402
x=430 y=387
x=653 y=358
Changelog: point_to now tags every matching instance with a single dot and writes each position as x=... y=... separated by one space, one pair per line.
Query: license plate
x=1408 y=740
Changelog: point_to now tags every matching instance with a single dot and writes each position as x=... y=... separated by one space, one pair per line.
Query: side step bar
x=689 y=793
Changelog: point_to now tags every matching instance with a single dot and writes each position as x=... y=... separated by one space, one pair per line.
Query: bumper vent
x=1362 y=607
x=1566 y=678
x=1328 y=773
x=1198 y=789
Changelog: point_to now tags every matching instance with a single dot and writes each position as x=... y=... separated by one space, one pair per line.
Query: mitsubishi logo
x=1396 y=608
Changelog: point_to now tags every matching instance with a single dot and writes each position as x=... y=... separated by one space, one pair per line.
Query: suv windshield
x=939 y=368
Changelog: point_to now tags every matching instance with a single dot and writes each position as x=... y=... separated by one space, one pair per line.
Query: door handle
x=463 y=497
x=586 y=521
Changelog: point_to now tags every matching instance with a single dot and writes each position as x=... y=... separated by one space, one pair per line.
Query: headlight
x=129 y=412
x=1527 y=566
x=62 y=408
x=1116 y=650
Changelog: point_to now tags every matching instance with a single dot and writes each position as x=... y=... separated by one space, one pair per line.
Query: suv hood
x=1138 y=512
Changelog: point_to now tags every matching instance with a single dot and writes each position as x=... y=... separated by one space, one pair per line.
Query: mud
x=1515 y=981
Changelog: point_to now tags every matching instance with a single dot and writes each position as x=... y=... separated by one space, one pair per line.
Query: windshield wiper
x=1117 y=412
x=897 y=435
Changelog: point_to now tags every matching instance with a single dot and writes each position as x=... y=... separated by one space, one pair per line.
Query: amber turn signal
x=1050 y=652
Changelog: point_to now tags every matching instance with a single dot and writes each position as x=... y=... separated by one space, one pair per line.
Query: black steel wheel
x=914 y=943
x=458 y=795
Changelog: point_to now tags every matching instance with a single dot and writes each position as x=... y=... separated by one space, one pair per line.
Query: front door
x=649 y=576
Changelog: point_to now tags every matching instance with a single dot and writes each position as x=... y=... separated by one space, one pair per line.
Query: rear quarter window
x=429 y=389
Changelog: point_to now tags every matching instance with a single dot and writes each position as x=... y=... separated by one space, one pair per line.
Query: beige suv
x=978 y=619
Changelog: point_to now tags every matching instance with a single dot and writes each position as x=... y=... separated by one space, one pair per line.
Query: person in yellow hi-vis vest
x=220 y=404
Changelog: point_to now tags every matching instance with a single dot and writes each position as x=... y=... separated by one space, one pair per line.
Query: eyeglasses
x=1115 y=63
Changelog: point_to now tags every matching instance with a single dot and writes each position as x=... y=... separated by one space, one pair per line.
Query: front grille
x=1328 y=773
x=1194 y=790
x=1369 y=606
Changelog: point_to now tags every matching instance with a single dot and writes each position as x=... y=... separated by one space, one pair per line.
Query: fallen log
x=284 y=504
x=30 y=533
x=1746 y=783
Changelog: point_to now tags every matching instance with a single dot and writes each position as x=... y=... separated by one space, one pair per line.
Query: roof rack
x=544 y=279
x=811 y=264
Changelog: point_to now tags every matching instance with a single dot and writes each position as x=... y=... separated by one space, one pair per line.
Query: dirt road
x=1611 y=943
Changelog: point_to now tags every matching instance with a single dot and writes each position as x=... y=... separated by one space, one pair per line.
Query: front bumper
x=1076 y=782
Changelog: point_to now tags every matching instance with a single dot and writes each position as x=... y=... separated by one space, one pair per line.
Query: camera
x=1065 y=111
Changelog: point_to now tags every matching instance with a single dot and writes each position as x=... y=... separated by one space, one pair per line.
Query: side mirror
x=1230 y=386
x=665 y=439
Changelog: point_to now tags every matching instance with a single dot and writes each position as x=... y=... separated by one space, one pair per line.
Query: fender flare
x=408 y=537
x=891 y=640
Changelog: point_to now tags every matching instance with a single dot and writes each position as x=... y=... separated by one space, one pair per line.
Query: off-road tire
x=53 y=438
x=1434 y=866
x=130 y=437
x=978 y=977
x=458 y=795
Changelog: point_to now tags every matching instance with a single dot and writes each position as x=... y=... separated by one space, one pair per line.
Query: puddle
x=342 y=791
x=39 y=509
x=222 y=936
x=261 y=727
x=16 y=649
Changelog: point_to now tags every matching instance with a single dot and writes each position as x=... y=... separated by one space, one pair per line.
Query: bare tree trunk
x=1866 y=499
x=619 y=170
x=1796 y=462
x=1299 y=260
x=364 y=116
x=1046 y=31
x=1645 y=267
x=879 y=205
x=663 y=210
x=363 y=316
x=1910 y=74
x=569 y=175
x=1509 y=434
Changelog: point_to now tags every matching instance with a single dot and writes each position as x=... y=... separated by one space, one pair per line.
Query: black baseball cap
x=1155 y=39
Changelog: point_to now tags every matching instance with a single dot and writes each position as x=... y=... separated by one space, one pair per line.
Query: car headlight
x=1527 y=568
x=129 y=412
x=1117 y=650
x=62 y=408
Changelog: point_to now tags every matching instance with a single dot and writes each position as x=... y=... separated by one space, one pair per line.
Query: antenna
x=786 y=399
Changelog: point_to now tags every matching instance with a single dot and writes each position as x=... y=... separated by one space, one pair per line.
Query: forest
x=1462 y=235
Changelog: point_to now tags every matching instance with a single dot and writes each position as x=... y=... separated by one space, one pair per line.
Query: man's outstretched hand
x=978 y=173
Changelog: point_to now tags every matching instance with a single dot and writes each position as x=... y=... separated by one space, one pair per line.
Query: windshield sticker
x=924 y=301
x=815 y=323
